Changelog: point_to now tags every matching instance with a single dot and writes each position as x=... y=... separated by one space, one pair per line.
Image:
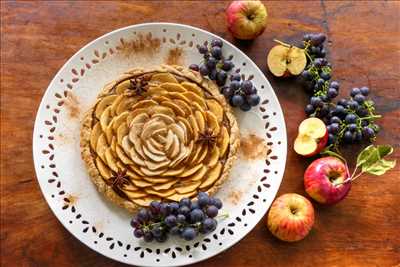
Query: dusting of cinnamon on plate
x=141 y=44
x=253 y=147
x=71 y=200
x=99 y=225
x=72 y=105
x=235 y=196
x=174 y=56
x=62 y=139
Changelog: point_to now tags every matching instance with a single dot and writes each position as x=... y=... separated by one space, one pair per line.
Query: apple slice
x=305 y=145
x=313 y=127
x=286 y=60
x=312 y=137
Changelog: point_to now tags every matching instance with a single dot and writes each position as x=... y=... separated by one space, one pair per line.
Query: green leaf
x=388 y=163
x=379 y=167
x=371 y=159
x=379 y=153
x=368 y=153
x=385 y=150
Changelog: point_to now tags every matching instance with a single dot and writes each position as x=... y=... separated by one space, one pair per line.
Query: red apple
x=312 y=137
x=290 y=217
x=323 y=180
x=246 y=19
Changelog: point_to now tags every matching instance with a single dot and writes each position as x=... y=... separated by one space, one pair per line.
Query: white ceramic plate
x=73 y=198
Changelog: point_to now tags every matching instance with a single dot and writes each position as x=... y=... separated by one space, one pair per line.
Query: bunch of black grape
x=348 y=120
x=215 y=66
x=317 y=75
x=185 y=219
x=352 y=120
x=240 y=92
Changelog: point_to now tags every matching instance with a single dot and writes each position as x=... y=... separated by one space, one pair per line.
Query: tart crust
x=89 y=156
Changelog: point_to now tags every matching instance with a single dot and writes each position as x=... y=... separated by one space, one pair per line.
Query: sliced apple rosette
x=166 y=133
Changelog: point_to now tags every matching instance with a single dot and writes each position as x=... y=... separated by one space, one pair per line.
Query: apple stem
x=282 y=43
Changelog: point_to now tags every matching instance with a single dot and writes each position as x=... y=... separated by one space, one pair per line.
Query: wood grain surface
x=364 y=47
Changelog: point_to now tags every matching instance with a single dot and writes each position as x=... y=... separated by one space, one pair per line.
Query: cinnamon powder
x=175 y=56
x=72 y=105
x=253 y=147
x=141 y=44
x=234 y=197
x=71 y=199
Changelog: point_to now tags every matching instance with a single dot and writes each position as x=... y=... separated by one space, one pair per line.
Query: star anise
x=118 y=181
x=139 y=85
x=208 y=138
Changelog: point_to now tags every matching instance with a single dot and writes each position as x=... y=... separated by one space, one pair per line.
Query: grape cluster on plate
x=349 y=120
x=185 y=219
x=215 y=66
x=240 y=92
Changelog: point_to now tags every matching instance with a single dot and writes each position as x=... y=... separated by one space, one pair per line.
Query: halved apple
x=286 y=60
x=312 y=137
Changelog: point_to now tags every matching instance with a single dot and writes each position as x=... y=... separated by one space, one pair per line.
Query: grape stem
x=352 y=177
x=223 y=216
x=315 y=72
x=308 y=55
x=371 y=117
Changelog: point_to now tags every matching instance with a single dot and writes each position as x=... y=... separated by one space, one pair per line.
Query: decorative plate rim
x=35 y=141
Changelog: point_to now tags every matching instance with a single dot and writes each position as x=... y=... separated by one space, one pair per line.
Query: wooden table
x=364 y=48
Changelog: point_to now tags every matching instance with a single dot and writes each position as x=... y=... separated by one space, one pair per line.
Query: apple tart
x=159 y=134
